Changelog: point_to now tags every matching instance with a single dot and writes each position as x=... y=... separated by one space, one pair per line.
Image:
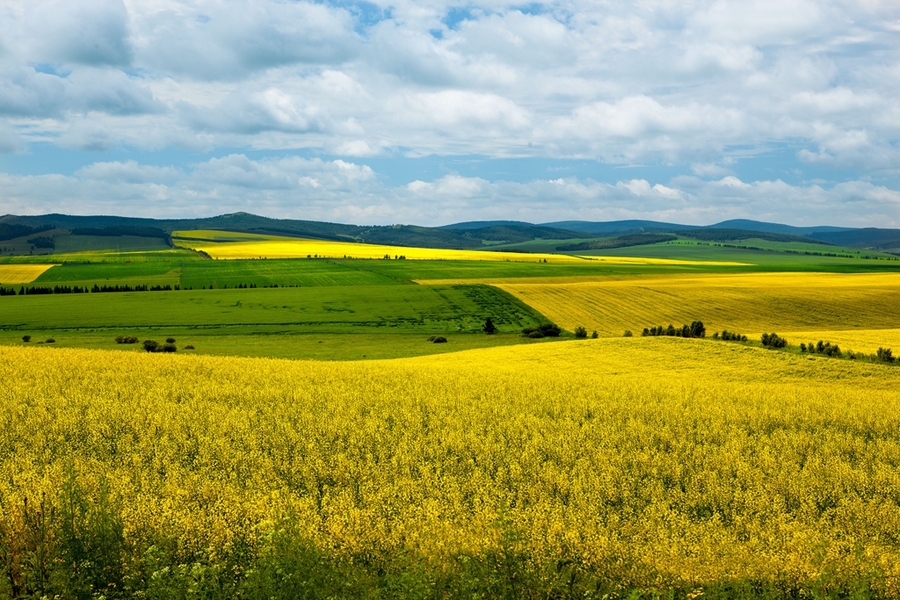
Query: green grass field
x=351 y=322
x=338 y=309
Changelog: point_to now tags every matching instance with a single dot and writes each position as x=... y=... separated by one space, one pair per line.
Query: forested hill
x=473 y=234
x=402 y=235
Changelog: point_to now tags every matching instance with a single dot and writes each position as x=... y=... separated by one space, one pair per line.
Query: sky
x=431 y=112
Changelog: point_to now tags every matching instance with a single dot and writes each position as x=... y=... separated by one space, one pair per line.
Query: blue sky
x=432 y=112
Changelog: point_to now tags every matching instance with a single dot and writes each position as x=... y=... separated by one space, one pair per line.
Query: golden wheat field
x=748 y=303
x=653 y=461
x=231 y=246
x=10 y=274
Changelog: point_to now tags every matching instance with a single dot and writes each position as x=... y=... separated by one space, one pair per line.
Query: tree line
x=75 y=289
x=695 y=330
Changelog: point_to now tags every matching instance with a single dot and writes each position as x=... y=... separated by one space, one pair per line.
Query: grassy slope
x=351 y=322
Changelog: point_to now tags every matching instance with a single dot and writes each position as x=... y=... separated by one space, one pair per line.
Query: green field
x=311 y=322
x=339 y=309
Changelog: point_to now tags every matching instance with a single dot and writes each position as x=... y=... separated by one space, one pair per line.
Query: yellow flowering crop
x=657 y=461
x=229 y=245
x=749 y=303
x=10 y=274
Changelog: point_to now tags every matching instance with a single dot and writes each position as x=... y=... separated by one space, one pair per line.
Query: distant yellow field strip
x=284 y=247
x=10 y=274
x=229 y=245
x=868 y=340
x=748 y=303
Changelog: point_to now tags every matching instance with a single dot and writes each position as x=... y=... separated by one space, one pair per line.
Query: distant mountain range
x=472 y=234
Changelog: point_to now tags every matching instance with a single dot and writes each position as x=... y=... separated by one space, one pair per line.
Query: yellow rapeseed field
x=10 y=274
x=749 y=303
x=655 y=462
x=228 y=245
x=867 y=341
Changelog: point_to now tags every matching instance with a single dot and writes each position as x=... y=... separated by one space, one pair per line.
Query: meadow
x=595 y=468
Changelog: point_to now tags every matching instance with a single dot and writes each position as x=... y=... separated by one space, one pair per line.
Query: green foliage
x=42 y=242
x=543 y=330
x=489 y=327
x=594 y=335
x=151 y=345
x=126 y=339
x=439 y=339
x=622 y=241
x=773 y=340
x=26 y=338
x=729 y=336
x=580 y=332
x=694 y=330
x=885 y=355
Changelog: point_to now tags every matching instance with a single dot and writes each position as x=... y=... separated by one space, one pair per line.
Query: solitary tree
x=489 y=327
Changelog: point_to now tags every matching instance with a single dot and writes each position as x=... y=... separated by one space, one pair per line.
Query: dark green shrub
x=170 y=340
x=535 y=335
x=168 y=348
x=439 y=339
x=546 y=330
x=698 y=329
x=550 y=330
x=773 y=340
x=489 y=327
x=49 y=341
x=151 y=345
x=189 y=347
x=126 y=339
x=580 y=332
x=885 y=355
x=26 y=338
x=594 y=335
x=626 y=334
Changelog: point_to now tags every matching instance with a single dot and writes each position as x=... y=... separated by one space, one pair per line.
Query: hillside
x=569 y=235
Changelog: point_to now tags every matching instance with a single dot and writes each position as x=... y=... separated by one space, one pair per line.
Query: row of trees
x=75 y=289
x=729 y=336
x=694 y=330
x=824 y=348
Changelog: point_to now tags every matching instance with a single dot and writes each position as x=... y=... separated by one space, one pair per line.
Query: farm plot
x=750 y=303
x=13 y=274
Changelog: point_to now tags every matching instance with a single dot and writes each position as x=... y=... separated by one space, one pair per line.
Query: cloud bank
x=713 y=99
